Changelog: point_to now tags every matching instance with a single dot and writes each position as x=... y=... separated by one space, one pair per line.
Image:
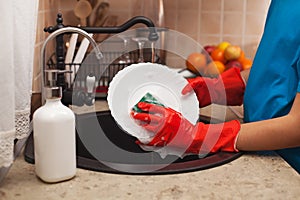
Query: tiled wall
x=207 y=21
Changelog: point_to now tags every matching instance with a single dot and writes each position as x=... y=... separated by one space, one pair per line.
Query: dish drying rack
x=109 y=66
x=112 y=68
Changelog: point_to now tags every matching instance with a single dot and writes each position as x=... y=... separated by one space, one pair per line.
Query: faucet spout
x=153 y=36
x=68 y=30
x=56 y=33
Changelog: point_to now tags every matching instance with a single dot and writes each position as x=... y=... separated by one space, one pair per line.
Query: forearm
x=272 y=134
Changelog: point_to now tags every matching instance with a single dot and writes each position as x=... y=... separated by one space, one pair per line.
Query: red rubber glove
x=227 y=89
x=174 y=130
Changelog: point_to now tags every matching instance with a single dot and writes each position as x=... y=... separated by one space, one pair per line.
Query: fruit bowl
x=215 y=59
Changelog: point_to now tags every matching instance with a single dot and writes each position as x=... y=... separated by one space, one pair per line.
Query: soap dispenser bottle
x=54 y=135
x=54 y=123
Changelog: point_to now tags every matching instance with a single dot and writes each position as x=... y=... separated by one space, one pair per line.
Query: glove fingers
x=192 y=85
x=146 y=117
x=187 y=89
x=147 y=107
x=152 y=127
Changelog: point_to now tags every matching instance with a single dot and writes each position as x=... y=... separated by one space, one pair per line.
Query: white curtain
x=17 y=39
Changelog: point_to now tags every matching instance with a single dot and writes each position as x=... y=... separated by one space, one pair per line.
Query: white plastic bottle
x=54 y=139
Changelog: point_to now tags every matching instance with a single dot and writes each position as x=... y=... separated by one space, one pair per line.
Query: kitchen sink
x=103 y=146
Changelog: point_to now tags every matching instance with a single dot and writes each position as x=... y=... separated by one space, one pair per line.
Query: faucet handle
x=90 y=84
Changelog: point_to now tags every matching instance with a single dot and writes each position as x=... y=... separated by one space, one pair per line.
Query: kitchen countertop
x=248 y=177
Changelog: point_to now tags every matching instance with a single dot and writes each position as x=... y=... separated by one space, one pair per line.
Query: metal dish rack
x=112 y=68
x=108 y=62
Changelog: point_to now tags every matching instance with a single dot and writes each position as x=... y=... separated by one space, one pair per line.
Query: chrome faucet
x=52 y=73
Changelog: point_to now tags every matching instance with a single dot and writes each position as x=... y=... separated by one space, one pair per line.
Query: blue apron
x=274 y=78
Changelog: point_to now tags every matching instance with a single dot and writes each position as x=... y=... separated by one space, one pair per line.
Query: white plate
x=133 y=82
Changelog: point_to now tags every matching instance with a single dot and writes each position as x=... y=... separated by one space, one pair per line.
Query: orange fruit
x=196 y=62
x=218 y=55
x=214 y=68
x=242 y=56
x=220 y=66
x=246 y=63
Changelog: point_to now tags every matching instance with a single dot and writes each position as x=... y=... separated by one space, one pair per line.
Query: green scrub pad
x=148 y=98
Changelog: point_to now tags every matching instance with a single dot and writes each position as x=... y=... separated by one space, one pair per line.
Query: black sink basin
x=103 y=146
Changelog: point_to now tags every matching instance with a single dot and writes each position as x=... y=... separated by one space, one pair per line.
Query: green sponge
x=148 y=98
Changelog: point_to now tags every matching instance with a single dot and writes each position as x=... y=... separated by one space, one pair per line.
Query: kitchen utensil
x=134 y=81
x=80 y=55
x=110 y=21
x=82 y=10
x=92 y=17
x=71 y=48
x=94 y=2
x=98 y=14
x=70 y=55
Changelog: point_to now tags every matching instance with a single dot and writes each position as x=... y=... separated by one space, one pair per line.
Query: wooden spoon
x=82 y=10
x=99 y=14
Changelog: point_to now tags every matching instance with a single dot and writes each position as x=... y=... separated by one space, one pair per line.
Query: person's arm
x=172 y=129
x=272 y=134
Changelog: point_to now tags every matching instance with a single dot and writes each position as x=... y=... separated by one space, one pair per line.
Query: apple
x=232 y=52
x=209 y=48
x=234 y=63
